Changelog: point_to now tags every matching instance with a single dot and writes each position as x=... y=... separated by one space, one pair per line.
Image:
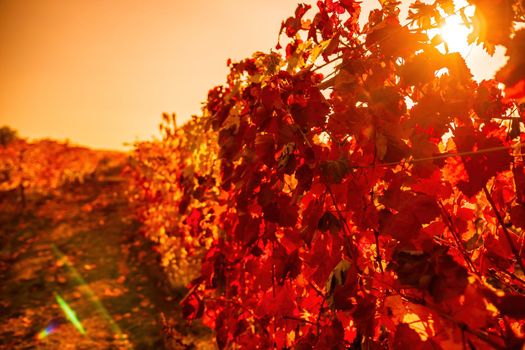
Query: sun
x=454 y=31
x=455 y=34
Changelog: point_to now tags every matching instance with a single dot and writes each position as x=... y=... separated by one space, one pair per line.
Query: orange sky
x=101 y=72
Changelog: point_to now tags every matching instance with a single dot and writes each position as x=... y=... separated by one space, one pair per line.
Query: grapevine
x=378 y=205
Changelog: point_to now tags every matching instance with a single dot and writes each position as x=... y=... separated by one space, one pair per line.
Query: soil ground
x=82 y=245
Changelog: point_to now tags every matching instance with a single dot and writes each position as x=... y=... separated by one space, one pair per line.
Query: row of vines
x=378 y=205
x=43 y=166
x=173 y=192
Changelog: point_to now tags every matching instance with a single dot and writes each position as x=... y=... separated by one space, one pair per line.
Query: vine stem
x=441 y=156
x=233 y=302
x=448 y=221
x=461 y=325
x=351 y=248
x=298 y=319
x=512 y=276
x=379 y=260
x=504 y=228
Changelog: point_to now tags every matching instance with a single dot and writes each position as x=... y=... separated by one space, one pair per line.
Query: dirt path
x=82 y=247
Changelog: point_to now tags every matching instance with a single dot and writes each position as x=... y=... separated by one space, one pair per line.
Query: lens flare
x=88 y=292
x=47 y=331
x=70 y=314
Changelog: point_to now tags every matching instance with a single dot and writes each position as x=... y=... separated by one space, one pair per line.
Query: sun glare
x=455 y=34
x=453 y=31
